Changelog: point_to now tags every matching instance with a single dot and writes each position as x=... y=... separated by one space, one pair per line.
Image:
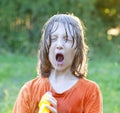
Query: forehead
x=62 y=28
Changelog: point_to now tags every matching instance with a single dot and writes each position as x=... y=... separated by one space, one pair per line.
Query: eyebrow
x=66 y=34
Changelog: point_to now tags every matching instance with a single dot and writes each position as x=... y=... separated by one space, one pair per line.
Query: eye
x=54 y=38
x=68 y=38
x=65 y=38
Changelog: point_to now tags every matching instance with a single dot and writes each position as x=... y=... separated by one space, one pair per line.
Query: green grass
x=15 y=70
x=106 y=73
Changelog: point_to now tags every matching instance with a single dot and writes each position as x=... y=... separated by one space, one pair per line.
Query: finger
x=52 y=109
x=53 y=101
x=50 y=96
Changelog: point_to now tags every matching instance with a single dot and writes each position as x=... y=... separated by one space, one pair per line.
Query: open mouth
x=59 y=57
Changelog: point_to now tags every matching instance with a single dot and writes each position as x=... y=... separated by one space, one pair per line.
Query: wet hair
x=76 y=29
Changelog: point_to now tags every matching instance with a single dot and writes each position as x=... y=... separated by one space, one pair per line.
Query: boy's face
x=62 y=49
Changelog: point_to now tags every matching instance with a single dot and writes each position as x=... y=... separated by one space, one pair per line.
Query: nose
x=59 y=47
x=59 y=44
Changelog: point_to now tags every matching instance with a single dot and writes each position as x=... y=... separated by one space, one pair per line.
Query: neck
x=61 y=75
x=59 y=79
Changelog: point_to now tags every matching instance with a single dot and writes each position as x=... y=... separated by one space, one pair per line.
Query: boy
x=62 y=69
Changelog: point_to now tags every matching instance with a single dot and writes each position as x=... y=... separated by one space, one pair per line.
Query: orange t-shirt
x=83 y=97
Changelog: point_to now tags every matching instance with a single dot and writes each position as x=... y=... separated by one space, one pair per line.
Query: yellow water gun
x=43 y=102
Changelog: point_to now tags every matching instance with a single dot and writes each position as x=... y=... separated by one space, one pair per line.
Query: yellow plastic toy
x=43 y=102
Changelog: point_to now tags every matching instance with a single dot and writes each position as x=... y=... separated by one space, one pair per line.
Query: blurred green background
x=21 y=23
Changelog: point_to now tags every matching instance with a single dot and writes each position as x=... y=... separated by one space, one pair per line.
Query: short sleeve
x=22 y=101
x=93 y=100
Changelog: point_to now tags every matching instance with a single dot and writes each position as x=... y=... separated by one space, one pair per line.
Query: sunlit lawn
x=106 y=73
x=16 y=70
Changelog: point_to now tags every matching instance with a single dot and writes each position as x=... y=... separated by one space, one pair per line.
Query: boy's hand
x=50 y=103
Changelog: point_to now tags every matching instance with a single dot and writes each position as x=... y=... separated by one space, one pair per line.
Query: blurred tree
x=109 y=11
x=22 y=20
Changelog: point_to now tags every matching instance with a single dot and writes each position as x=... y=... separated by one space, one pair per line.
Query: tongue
x=59 y=57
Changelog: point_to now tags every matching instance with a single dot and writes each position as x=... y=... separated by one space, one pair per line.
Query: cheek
x=73 y=54
x=51 y=54
x=72 y=50
x=70 y=55
x=70 y=44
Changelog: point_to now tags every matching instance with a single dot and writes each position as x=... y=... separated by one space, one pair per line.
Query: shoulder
x=92 y=97
x=34 y=84
x=89 y=85
x=35 y=81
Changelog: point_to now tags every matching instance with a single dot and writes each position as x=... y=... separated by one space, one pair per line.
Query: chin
x=62 y=69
